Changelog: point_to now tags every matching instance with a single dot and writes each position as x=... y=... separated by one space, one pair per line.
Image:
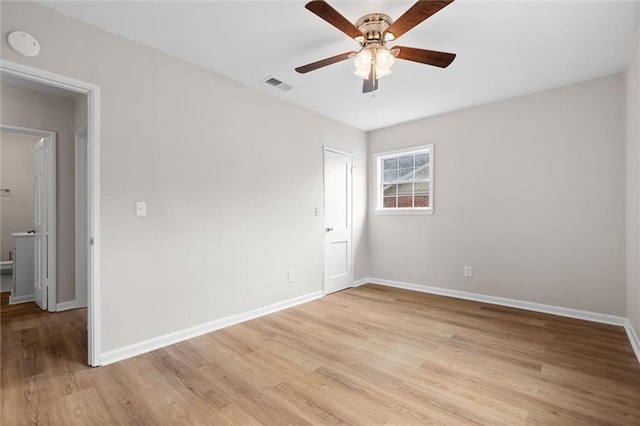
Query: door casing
x=82 y=234
x=92 y=92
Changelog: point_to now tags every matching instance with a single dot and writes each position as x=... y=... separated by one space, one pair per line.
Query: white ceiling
x=504 y=48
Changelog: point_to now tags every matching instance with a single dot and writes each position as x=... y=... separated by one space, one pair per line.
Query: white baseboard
x=633 y=338
x=362 y=281
x=65 y=306
x=119 y=354
x=20 y=299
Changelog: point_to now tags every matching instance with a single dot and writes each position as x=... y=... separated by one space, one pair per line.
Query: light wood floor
x=368 y=355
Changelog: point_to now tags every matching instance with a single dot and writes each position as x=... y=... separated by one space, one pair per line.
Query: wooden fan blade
x=324 y=62
x=429 y=57
x=371 y=84
x=332 y=16
x=416 y=14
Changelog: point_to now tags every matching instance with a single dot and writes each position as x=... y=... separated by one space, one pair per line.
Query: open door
x=44 y=288
x=40 y=294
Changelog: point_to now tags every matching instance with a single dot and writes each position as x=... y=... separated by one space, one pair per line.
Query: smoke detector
x=23 y=43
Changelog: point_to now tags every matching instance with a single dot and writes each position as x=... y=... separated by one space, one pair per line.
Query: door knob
x=329 y=229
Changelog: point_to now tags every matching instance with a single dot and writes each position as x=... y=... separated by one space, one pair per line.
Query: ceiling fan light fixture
x=382 y=72
x=364 y=74
x=373 y=31
x=362 y=63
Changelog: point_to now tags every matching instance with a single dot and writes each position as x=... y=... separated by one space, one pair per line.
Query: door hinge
x=91 y=241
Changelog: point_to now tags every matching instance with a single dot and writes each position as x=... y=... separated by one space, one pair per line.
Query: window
x=405 y=181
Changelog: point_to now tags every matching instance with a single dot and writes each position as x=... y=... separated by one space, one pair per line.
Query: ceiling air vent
x=271 y=81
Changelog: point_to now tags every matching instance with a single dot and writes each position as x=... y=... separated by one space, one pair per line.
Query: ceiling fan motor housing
x=373 y=27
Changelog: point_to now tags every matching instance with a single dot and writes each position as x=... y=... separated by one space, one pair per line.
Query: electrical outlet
x=291 y=276
x=468 y=271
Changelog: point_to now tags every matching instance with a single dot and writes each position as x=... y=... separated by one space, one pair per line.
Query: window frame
x=378 y=159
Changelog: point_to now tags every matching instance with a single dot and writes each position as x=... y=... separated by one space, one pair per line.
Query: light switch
x=141 y=208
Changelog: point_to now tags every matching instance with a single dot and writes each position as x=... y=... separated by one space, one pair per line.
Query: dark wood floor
x=18 y=310
x=368 y=355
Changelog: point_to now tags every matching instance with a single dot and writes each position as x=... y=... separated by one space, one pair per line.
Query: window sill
x=403 y=212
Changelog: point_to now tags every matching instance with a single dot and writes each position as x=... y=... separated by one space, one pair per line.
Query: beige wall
x=27 y=108
x=16 y=174
x=633 y=185
x=231 y=177
x=529 y=191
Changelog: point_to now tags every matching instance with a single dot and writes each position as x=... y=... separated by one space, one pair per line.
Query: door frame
x=49 y=146
x=324 y=206
x=92 y=91
x=81 y=215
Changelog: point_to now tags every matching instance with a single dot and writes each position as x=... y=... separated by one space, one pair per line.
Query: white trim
x=93 y=226
x=93 y=170
x=337 y=151
x=633 y=338
x=502 y=301
x=198 y=330
x=65 y=306
x=50 y=149
x=378 y=158
x=410 y=150
x=82 y=248
x=6 y=264
x=20 y=299
x=404 y=211
x=361 y=281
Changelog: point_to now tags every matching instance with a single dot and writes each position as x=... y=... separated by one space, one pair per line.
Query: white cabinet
x=23 y=268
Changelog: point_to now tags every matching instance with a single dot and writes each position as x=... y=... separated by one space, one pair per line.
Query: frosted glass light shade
x=363 y=63
x=382 y=72
x=384 y=59
x=363 y=73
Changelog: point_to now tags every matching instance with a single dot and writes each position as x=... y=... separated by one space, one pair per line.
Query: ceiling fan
x=373 y=31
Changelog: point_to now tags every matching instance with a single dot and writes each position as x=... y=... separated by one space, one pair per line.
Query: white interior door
x=338 y=265
x=40 y=226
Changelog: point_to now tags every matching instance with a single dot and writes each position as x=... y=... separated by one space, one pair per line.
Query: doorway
x=30 y=75
x=338 y=206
